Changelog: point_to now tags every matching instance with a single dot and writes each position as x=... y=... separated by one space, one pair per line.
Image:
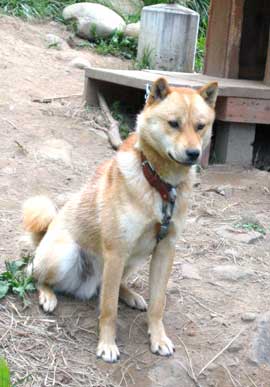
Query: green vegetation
x=145 y=62
x=5 y=380
x=251 y=225
x=14 y=280
x=122 y=117
x=116 y=44
x=4 y=374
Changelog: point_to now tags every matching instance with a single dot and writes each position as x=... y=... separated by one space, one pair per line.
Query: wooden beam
x=139 y=79
x=249 y=110
x=224 y=38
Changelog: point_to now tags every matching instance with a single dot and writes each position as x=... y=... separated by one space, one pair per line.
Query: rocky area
x=217 y=309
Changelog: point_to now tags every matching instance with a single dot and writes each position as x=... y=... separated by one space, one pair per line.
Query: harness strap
x=167 y=193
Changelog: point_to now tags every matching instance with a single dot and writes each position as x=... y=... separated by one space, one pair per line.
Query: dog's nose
x=192 y=154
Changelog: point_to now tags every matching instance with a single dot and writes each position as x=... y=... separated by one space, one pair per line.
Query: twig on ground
x=192 y=376
x=21 y=147
x=9 y=122
x=251 y=380
x=221 y=352
x=234 y=381
x=113 y=131
x=204 y=306
x=50 y=99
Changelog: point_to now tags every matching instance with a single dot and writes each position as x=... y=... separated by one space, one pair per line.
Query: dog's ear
x=209 y=93
x=159 y=90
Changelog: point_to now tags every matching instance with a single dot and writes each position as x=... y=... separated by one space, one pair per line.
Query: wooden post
x=267 y=65
x=90 y=92
x=224 y=38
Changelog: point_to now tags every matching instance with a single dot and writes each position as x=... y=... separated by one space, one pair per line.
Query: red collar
x=155 y=181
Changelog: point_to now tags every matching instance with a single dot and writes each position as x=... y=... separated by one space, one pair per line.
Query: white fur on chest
x=138 y=220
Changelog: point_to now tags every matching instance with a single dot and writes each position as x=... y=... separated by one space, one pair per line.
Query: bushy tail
x=38 y=213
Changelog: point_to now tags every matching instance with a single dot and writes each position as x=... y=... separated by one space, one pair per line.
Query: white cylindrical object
x=168 y=37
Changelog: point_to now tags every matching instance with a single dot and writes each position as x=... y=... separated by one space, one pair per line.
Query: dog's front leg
x=111 y=279
x=160 y=269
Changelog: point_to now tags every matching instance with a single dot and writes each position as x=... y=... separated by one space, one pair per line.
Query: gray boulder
x=94 y=20
x=126 y=7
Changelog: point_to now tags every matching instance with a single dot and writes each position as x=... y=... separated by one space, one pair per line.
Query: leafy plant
x=146 y=61
x=249 y=225
x=4 y=374
x=117 y=44
x=122 y=118
x=14 y=280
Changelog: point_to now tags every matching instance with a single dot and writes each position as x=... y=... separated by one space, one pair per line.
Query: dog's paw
x=47 y=300
x=162 y=346
x=134 y=300
x=108 y=352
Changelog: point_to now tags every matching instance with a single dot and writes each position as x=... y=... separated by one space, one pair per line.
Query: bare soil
x=52 y=149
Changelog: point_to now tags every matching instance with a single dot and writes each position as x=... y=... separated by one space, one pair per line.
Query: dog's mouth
x=186 y=163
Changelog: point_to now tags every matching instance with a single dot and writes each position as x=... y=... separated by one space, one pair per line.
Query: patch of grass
x=250 y=225
x=145 y=62
x=14 y=280
x=122 y=117
x=4 y=373
x=117 y=44
x=5 y=379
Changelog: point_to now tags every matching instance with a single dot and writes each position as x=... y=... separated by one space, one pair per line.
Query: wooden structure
x=238 y=47
x=237 y=56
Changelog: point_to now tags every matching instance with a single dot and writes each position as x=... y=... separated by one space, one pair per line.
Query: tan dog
x=134 y=207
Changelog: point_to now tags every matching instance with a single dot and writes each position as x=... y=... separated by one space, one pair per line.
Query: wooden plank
x=138 y=79
x=248 y=110
x=224 y=38
x=267 y=66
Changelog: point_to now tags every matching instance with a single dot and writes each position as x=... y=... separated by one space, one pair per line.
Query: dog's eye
x=174 y=124
x=200 y=126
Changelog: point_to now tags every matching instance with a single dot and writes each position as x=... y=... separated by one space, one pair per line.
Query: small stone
x=212 y=367
x=54 y=41
x=132 y=30
x=231 y=272
x=80 y=63
x=235 y=348
x=189 y=271
x=260 y=347
x=57 y=150
x=168 y=372
x=248 y=317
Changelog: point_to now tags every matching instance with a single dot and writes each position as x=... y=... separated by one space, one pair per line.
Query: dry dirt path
x=219 y=290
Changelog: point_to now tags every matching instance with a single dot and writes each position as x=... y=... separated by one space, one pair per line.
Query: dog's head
x=177 y=122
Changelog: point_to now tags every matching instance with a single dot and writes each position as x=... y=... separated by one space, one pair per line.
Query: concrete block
x=233 y=142
x=168 y=36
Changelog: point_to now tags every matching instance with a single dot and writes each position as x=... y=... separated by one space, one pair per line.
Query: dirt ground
x=218 y=296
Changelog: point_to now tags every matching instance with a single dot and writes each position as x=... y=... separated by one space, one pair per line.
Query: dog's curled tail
x=38 y=213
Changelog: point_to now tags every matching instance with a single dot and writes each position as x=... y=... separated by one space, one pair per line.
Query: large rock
x=126 y=7
x=94 y=20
